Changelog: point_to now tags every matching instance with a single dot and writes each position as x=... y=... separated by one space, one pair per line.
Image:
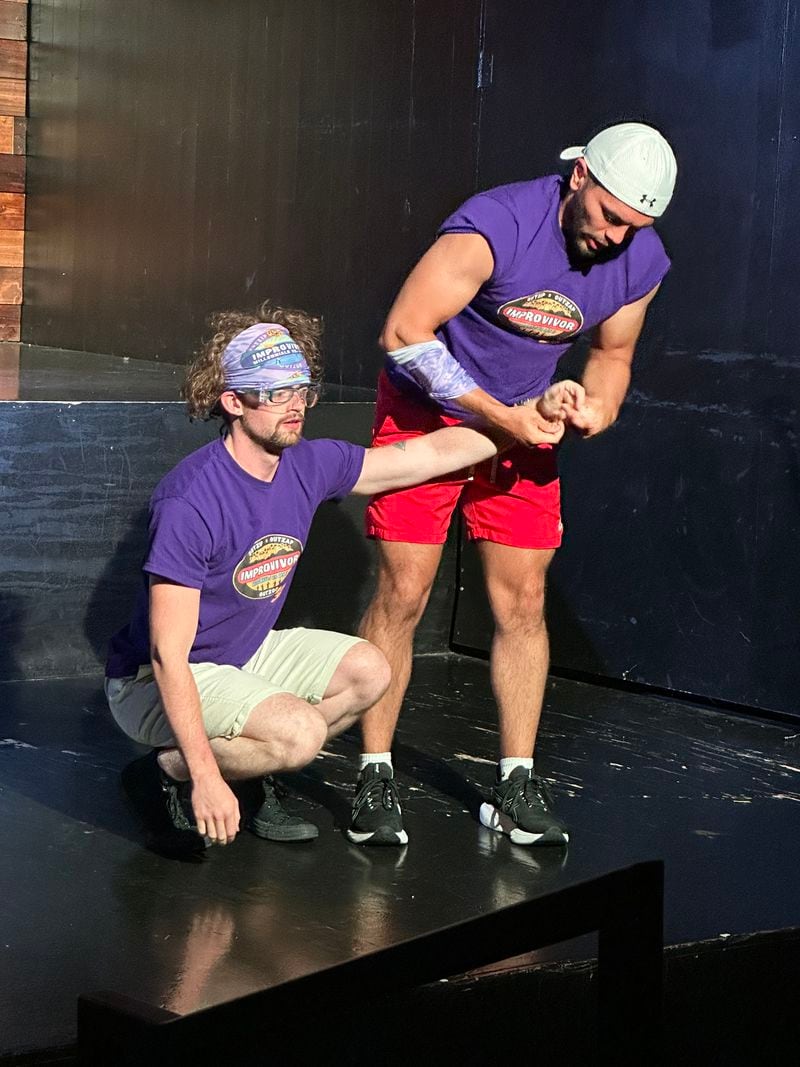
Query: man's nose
x=615 y=235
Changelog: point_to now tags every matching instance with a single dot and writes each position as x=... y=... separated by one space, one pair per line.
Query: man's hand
x=216 y=809
x=527 y=426
x=541 y=420
x=561 y=400
x=590 y=417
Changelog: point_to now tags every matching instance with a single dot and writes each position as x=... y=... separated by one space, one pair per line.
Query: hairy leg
x=515 y=583
x=361 y=679
x=282 y=733
x=405 y=575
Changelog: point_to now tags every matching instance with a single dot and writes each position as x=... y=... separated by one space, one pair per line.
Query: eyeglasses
x=309 y=394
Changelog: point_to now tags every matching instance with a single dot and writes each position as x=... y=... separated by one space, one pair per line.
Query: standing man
x=515 y=275
x=200 y=674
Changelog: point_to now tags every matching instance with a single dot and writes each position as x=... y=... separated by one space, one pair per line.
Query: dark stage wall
x=680 y=566
x=192 y=156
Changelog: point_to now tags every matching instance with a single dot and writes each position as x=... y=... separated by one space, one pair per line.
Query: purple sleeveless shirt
x=522 y=320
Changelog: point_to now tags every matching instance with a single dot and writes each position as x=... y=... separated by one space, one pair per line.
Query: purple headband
x=264 y=356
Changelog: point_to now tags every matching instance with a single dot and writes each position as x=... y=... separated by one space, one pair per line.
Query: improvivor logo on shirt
x=262 y=571
x=547 y=315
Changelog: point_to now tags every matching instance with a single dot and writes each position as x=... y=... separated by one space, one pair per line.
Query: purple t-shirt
x=215 y=528
x=522 y=320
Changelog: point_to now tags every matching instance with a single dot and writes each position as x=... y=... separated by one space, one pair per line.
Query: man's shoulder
x=323 y=449
x=526 y=196
x=189 y=475
x=646 y=257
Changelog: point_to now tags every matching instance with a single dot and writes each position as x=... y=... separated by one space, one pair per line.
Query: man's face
x=597 y=227
x=274 y=428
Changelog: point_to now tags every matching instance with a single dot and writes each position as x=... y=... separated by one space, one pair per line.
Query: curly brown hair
x=204 y=383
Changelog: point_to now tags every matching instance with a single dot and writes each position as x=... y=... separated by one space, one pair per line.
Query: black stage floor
x=86 y=908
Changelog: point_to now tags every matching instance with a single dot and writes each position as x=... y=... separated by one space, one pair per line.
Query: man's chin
x=582 y=256
x=279 y=442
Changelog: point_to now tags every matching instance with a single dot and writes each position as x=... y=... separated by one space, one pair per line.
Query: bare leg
x=405 y=575
x=515 y=583
x=282 y=733
x=285 y=733
x=361 y=679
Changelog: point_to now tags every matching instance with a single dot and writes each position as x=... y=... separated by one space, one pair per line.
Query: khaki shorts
x=299 y=661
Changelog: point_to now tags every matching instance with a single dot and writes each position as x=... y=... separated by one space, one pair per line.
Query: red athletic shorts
x=513 y=499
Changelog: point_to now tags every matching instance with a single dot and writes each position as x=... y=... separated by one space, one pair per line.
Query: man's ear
x=579 y=176
x=230 y=403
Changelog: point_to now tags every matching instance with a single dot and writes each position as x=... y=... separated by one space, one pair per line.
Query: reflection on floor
x=637 y=777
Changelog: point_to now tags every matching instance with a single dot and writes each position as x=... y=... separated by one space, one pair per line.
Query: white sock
x=375 y=757
x=508 y=764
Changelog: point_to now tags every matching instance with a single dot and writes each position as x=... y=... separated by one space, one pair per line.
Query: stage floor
x=86 y=908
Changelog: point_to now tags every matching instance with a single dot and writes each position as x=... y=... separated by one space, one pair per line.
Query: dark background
x=186 y=157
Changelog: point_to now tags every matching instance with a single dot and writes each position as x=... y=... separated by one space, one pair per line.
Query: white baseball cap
x=634 y=162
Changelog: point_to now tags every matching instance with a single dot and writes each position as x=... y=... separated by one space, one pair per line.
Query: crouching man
x=200 y=674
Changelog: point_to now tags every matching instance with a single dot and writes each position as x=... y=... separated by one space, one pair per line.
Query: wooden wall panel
x=13 y=132
x=10 y=285
x=12 y=174
x=13 y=20
x=12 y=95
x=7 y=133
x=12 y=211
x=13 y=59
x=11 y=248
x=9 y=322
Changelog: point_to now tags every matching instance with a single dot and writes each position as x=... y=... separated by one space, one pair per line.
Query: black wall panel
x=191 y=156
x=680 y=565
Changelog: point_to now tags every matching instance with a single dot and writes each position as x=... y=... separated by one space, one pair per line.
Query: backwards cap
x=634 y=162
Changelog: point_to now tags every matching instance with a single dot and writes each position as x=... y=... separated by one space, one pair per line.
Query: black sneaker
x=274 y=823
x=377 y=817
x=164 y=806
x=521 y=806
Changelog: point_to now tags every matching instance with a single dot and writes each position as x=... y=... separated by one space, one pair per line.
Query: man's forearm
x=446 y=450
x=606 y=380
x=181 y=701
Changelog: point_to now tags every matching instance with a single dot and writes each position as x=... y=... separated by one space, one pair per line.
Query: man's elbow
x=400 y=331
x=390 y=338
x=166 y=657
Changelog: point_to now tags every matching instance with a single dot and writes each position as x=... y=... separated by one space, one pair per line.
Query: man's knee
x=402 y=593
x=518 y=606
x=366 y=674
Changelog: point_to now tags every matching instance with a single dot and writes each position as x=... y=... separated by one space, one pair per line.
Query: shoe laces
x=271 y=805
x=379 y=792
x=532 y=791
x=178 y=800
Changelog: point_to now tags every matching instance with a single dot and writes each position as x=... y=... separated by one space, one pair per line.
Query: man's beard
x=278 y=440
x=574 y=225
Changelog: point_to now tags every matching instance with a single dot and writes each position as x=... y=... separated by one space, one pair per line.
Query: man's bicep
x=620 y=331
x=443 y=282
x=174 y=614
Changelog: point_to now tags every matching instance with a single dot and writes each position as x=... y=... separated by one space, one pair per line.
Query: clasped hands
x=544 y=419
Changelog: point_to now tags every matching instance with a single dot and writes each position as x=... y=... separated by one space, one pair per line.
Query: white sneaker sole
x=394 y=837
x=493 y=819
